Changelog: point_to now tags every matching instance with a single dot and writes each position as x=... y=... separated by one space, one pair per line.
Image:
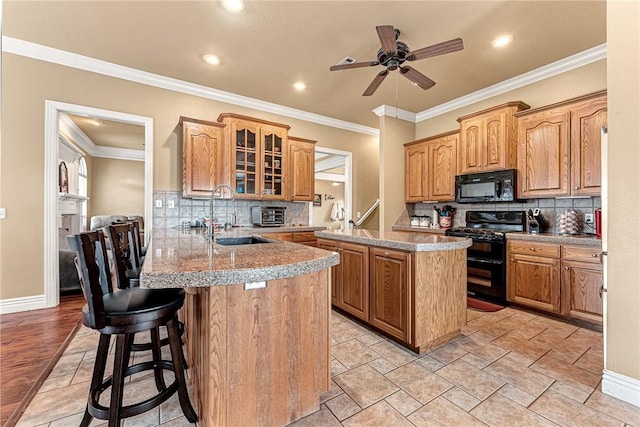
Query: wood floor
x=30 y=341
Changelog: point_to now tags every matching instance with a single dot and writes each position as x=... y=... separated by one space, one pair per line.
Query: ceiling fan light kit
x=394 y=53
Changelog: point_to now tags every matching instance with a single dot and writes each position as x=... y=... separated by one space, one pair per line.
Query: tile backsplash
x=192 y=209
x=550 y=209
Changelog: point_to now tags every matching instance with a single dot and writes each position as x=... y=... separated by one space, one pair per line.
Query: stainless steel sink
x=235 y=241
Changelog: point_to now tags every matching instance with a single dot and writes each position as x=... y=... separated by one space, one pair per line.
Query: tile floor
x=509 y=368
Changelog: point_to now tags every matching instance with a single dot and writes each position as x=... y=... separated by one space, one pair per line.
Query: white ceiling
x=272 y=44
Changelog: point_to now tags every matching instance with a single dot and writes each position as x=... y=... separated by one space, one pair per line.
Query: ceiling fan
x=394 y=53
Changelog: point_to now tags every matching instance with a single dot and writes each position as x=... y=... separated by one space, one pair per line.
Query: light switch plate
x=159 y=203
x=255 y=285
x=3 y=213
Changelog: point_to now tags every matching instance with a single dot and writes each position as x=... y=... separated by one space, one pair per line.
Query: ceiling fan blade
x=377 y=80
x=353 y=65
x=437 y=49
x=417 y=77
x=387 y=36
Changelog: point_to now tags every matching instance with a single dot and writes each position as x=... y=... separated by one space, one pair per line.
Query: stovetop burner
x=489 y=225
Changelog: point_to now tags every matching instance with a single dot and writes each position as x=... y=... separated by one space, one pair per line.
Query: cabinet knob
x=576 y=188
x=566 y=268
x=595 y=255
x=533 y=249
x=386 y=253
x=512 y=260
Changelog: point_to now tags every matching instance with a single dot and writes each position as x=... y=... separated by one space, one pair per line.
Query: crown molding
x=569 y=63
x=73 y=60
x=398 y=113
x=69 y=128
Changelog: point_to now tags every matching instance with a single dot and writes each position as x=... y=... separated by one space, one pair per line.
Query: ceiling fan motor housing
x=394 y=61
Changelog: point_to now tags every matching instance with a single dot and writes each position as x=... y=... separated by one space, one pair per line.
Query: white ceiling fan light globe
x=502 y=41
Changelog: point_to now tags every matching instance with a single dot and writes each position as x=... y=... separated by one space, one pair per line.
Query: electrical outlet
x=171 y=204
x=588 y=218
x=159 y=203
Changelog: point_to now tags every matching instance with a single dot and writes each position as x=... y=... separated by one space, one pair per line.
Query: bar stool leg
x=177 y=357
x=157 y=356
x=123 y=346
x=98 y=374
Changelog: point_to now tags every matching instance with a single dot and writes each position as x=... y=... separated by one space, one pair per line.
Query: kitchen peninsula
x=257 y=324
x=410 y=286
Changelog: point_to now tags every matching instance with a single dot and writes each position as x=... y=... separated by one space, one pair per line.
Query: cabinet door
x=495 y=146
x=246 y=158
x=472 y=145
x=273 y=162
x=354 y=297
x=543 y=154
x=415 y=174
x=301 y=170
x=390 y=292
x=336 y=270
x=202 y=158
x=582 y=290
x=534 y=281
x=587 y=121
x=442 y=169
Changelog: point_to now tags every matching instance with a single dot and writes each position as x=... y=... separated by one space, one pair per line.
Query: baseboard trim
x=15 y=305
x=621 y=387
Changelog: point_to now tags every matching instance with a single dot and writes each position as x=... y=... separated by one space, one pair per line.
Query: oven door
x=486 y=271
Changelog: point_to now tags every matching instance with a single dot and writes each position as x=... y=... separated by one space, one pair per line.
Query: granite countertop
x=415 y=242
x=577 y=239
x=184 y=258
x=418 y=229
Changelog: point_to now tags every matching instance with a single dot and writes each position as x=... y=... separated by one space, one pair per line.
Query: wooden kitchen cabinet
x=488 y=139
x=258 y=157
x=533 y=275
x=430 y=168
x=390 y=296
x=582 y=282
x=203 y=157
x=301 y=169
x=351 y=277
x=559 y=148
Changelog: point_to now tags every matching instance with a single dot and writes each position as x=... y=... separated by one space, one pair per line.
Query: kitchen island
x=410 y=286
x=257 y=323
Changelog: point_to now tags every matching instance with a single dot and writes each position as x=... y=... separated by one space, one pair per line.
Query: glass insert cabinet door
x=273 y=163
x=246 y=156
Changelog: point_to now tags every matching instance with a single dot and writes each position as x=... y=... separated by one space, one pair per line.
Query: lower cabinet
x=389 y=291
x=562 y=279
x=350 y=278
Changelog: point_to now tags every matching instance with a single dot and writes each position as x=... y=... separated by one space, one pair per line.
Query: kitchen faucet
x=216 y=189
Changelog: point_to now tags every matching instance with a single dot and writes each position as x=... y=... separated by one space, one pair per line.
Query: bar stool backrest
x=93 y=271
x=124 y=251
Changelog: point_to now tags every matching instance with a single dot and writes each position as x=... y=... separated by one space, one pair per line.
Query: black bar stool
x=124 y=313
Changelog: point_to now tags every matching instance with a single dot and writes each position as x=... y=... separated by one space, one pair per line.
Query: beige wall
x=27 y=83
x=322 y=214
x=623 y=296
x=116 y=187
x=393 y=134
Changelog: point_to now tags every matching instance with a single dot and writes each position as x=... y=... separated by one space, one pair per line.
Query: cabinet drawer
x=588 y=254
x=304 y=236
x=534 y=248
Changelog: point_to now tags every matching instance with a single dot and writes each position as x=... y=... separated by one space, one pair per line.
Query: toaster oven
x=268 y=216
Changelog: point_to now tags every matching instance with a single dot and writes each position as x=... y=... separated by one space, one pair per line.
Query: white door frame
x=51 y=130
x=348 y=182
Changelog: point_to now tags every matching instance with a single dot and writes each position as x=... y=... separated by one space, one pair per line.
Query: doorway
x=334 y=184
x=53 y=112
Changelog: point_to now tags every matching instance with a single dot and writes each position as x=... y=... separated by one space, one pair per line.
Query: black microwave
x=496 y=186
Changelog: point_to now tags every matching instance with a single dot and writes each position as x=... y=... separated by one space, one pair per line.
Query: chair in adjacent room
x=123 y=313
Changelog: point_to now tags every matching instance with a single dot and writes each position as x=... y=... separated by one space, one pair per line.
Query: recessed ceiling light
x=211 y=59
x=501 y=41
x=233 y=6
x=299 y=86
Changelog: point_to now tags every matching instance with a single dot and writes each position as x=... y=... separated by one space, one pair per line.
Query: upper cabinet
x=488 y=139
x=301 y=181
x=559 y=148
x=203 y=157
x=258 y=156
x=430 y=168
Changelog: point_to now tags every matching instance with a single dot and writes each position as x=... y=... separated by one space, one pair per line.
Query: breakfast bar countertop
x=179 y=258
x=416 y=242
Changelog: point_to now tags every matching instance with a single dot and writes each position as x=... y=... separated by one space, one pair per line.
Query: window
x=82 y=191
